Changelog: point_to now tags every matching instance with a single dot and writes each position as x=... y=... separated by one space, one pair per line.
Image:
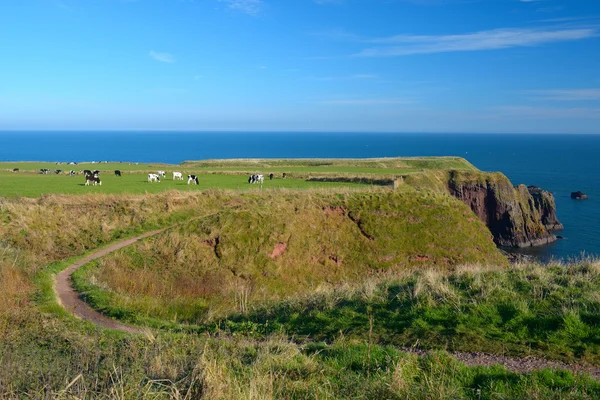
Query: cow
x=284 y=175
x=87 y=172
x=117 y=173
x=58 y=171
x=192 y=179
x=256 y=178
x=177 y=175
x=271 y=176
x=96 y=172
x=153 y=178
x=92 y=179
x=162 y=174
x=72 y=173
x=15 y=169
x=44 y=171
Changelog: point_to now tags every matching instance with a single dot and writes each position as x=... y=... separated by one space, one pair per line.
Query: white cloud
x=566 y=95
x=401 y=45
x=162 y=57
x=250 y=7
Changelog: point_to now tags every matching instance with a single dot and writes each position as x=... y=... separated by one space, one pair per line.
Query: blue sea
x=558 y=163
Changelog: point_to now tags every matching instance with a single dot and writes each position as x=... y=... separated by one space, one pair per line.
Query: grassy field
x=35 y=185
x=218 y=174
x=306 y=293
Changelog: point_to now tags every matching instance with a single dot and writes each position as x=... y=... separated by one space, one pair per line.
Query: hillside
x=361 y=291
x=261 y=248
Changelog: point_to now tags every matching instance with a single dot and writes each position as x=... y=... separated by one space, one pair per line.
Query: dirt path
x=514 y=364
x=69 y=298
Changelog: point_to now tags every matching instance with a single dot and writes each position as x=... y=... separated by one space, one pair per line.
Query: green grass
x=220 y=174
x=35 y=185
x=45 y=353
x=547 y=311
x=225 y=262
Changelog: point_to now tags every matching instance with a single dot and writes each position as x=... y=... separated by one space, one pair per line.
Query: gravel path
x=514 y=364
x=71 y=301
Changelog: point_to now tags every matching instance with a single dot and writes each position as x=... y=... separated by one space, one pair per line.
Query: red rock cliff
x=517 y=216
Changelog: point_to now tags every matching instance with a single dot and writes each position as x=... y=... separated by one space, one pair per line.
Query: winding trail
x=70 y=300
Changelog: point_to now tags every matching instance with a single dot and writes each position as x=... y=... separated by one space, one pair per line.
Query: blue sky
x=301 y=65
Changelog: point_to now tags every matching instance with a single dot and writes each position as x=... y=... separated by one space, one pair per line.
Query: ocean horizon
x=559 y=163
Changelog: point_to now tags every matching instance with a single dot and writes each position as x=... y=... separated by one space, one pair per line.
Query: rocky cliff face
x=517 y=216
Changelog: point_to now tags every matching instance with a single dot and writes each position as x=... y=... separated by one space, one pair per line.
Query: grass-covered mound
x=262 y=248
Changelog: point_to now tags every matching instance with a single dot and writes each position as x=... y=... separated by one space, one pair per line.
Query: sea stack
x=579 y=196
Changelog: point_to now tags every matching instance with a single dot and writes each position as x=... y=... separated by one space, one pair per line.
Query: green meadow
x=35 y=185
x=217 y=174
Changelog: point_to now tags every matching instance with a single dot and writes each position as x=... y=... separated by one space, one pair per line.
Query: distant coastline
x=558 y=163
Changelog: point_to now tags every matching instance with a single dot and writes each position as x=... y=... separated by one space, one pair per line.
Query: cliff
x=517 y=216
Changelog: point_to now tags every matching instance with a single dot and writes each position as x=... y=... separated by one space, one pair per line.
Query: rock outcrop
x=544 y=203
x=517 y=216
x=579 y=196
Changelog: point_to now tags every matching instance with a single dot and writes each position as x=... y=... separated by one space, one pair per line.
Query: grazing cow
x=117 y=173
x=192 y=179
x=284 y=175
x=58 y=171
x=92 y=179
x=153 y=178
x=271 y=176
x=177 y=175
x=72 y=173
x=162 y=174
x=87 y=172
x=256 y=178
x=44 y=171
x=15 y=169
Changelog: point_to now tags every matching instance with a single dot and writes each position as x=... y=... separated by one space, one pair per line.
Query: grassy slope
x=225 y=261
x=547 y=311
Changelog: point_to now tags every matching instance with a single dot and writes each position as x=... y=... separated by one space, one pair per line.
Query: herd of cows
x=93 y=177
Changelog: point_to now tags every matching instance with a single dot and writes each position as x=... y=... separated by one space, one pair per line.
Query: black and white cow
x=117 y=173
x=96 y=173
x=162 y=174
x=15 y=169
x=72 y=173
x=153 y=178
x=192 y=179
x=87 y=172
x=256 y=178
x=271 y=176
x=92 y=179
x=284 y=175
x=58 y=171
x=44 y=171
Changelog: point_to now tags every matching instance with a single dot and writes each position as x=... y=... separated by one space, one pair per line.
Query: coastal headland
x=517 y=216
x=348 y=278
